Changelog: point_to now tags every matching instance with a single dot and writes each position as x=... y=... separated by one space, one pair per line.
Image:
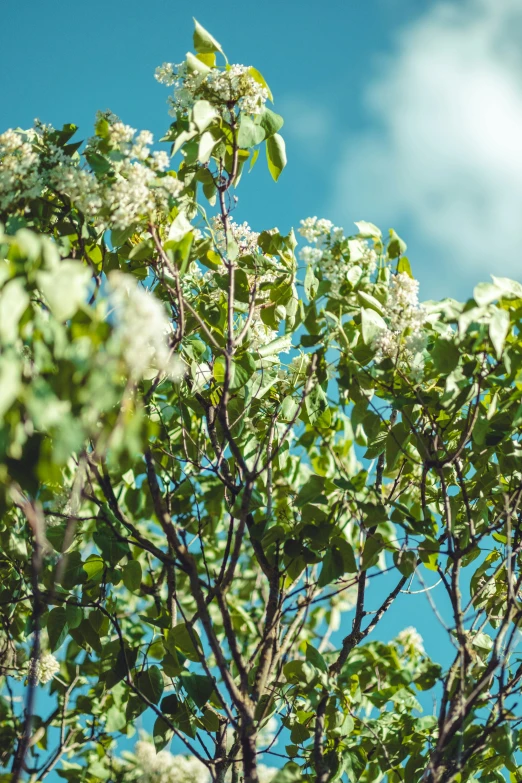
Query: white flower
x=19 y=175
x=260 y=334
x=164 y=767
x=164 y=74
x=313 y=228
x=120 y=133
x=361 y=253
x=333 y=254
x=80 y=186
x=142 y=327
x=161 y=160
x=404 y=338
x=245 y=238
x=299 y=368
x=310 y=255
x=404 y=291
x=45 y=668
x=227 y=90
x=411 y=640
x=130 y=196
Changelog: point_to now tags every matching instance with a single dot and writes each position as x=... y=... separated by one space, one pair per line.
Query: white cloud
x=304 y=120
x=443 y=158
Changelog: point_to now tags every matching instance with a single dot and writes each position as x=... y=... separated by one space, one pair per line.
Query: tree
x=208 y=450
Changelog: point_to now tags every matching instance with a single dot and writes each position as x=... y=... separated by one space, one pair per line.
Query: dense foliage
x=207 y=450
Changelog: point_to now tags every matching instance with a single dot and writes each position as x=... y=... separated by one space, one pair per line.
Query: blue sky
x=403 y=113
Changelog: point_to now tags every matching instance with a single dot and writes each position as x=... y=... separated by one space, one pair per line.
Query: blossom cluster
x=403 y=338
x=334 y=254
x=411 y=641
x=19 y=178
x=142 y=328
x=31 y=165
x=229 y=89
x=242 y=234
x=44 y=669
x=164 y=767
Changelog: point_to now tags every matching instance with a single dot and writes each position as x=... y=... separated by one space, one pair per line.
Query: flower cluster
x=31 y=165
x=148 y=766
x=44 y=669
x=233 y=88
x=142 y=327
x=403 y=338
x=411 y=641
x=164 y=767
x=19 y=178
x=242 y=234
x=334 y=254
x=79 y=185
x=134 y=188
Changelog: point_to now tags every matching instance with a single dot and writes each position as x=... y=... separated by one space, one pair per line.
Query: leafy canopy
x=207 y=449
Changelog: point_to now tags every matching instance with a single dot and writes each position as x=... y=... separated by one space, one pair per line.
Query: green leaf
x=445 y=355
x=161 y=734
x=311 y=283
x=405 y=562
x=179 y=228
x=315 y=658
x=132 y=575
x=250 y=133
x=10 y=382
x=289 y=408
x=290 y=773
x=182 y=639
x=312 y=490
x=371 y=325
x=198 y=686
x=369 y=301
x=498 y=330
x=203 y=113
x=404 y=266
x=354 y=763
x=316 y=404
x=150 y=683
x=396 y=246
x=207 y=143
x=57 y=627
x=275 y=155
x=368 y=230
x=333 y=568
x=210 y=721
x=65 y=288
x=486 y=293
x=94 y=567
x=13 y=302
x=73 y=615
x=120 y=235
x=271 y=122
x=372 y=549
x=274 y=347
x=347 y=554
x=258 y=77
x=204 y=42
x=241 y=371
x=98 y=163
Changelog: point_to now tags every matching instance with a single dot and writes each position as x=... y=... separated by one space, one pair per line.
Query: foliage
x=207 y=450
